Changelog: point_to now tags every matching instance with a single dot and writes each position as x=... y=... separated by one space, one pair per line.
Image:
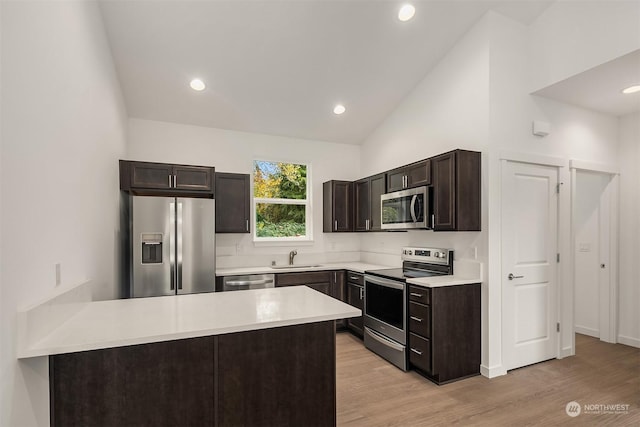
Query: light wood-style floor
x=371 y=392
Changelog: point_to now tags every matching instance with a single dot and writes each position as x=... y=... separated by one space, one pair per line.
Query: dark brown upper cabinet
x=409 y=176
x=456 y=191
x=146 y=178
x=367 y=192
x=337 y=206
x=233 y=202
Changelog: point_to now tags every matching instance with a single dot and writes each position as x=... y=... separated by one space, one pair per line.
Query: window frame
x=308 y=237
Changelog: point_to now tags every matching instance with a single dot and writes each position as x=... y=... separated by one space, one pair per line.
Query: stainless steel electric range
x=385 y=300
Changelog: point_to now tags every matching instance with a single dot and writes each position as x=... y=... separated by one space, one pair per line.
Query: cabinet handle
x=353 y=278
x=170 y=181
x=433 y=220
x=335 y=225
x=413 y=294
x=418 y=352
x=247 y=224
x=175 y=181
x=361 y=293
x=417 y=319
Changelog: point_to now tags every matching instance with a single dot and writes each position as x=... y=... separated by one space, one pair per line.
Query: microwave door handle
x=413 y=208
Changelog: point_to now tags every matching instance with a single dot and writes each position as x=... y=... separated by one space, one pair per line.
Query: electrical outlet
x=58 y=274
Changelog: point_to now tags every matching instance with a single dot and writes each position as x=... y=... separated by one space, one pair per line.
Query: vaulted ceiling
x=279 y=67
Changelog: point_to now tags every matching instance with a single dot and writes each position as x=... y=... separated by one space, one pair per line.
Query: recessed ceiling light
x=197 y=84
x=406 y=12
x=339 y=109
x=632 y=89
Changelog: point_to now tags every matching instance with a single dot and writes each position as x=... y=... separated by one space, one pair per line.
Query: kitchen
x=39 y=94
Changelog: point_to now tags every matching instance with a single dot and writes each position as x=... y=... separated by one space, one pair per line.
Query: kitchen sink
x=282 y=267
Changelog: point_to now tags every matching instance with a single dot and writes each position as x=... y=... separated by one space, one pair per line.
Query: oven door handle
x=384 y=282
x=413 y=208
x=383 y=340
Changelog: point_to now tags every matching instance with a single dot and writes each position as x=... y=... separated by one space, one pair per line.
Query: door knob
x=511 y=276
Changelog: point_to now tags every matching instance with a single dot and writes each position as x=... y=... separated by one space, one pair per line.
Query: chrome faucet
x=291 y=255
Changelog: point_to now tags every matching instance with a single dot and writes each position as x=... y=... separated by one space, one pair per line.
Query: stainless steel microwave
x=405 y=209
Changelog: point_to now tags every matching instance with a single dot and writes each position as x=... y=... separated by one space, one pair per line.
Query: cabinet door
x=395 y=179
x=362 y=204
x=444 y=185
x=337 y=285
x=325 y=288
x=337 y=206
x=233 y=199
x=151 y=175
x=355 y=297
x=419 y=174
x=342 y=207
x=194 y=178
x=377 y=187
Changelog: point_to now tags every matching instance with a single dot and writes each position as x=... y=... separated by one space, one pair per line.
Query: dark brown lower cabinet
x=444 y=331
x=355 y=297
x=281 y=376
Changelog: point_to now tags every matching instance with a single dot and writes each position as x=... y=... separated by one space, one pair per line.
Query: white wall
x=629 y=277
x=573 y=36
x=233 y=151
x=478 y=98
x=63 y=129
x=586 y=221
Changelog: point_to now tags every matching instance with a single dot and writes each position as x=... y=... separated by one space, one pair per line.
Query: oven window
x=385 y=304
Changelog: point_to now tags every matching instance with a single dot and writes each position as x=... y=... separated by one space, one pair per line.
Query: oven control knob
x=410 y=252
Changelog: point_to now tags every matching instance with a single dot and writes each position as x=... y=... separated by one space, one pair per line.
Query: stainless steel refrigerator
x=169 y=246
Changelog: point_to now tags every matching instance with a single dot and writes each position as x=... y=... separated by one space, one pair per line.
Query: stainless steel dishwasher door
x=253 y=281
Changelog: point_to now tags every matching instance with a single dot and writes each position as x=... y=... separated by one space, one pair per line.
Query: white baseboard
x=633 y=342
x=493 y=371
x=587 y=331
x=566 y=352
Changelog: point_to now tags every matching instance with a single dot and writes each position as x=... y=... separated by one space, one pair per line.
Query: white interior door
x=529 y=264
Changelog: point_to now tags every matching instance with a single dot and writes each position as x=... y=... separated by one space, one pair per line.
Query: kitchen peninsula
x=257 y=357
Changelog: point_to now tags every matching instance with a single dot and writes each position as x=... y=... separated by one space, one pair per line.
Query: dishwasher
x=252 y=281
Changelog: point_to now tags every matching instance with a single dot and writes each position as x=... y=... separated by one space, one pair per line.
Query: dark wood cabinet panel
x=119 y=386
x=362 y=204
x=355 y=297
x=193 y=178
x=163 y=179
x=457 y=191
x=298 y=364
x=338 y=291
x=151 y=175
x=445 y=342
x=377 y=186
x=420 y=319
x=444 y=180
x=367 y=192
x=395 y=179
x=303 y=278
x=419 y=174
x=420 y=352
x=233 y=202
x=409 y=176
x=338 y=206
x=269 y=377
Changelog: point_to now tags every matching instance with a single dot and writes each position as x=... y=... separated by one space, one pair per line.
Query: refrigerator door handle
x=179 y=248
x=172 y=245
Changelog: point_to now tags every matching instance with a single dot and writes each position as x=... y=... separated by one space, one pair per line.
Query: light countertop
x=359 y=267
x=439 y=281
x=115 y=323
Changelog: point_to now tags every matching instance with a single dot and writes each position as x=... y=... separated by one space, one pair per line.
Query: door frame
x=564 y=304
x=610 y=332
